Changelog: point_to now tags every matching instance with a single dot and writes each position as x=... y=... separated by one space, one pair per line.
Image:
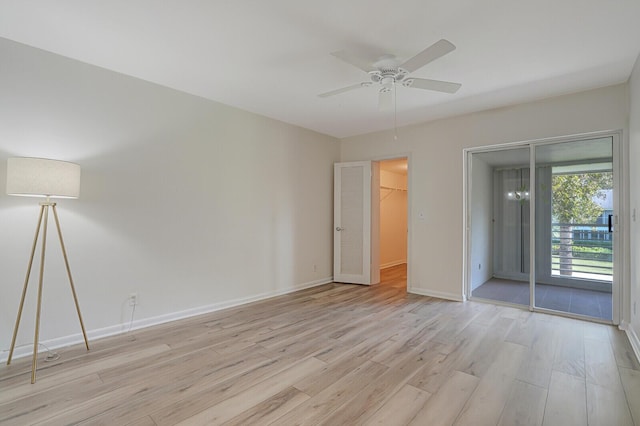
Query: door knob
x=339 y=229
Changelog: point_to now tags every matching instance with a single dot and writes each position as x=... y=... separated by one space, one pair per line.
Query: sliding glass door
x=499 y=205
x=550 y=205
x=574 y=227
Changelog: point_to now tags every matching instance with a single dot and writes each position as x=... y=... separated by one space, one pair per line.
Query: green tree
x=574 y=202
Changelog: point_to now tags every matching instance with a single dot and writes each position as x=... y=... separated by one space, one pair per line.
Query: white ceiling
x=273 y=57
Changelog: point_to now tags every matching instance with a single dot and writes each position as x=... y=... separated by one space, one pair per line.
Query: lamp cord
x=133 y=311
x=51 y=355
x=132 y=338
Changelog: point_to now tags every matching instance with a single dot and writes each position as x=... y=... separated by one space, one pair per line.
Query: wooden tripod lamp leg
x=73 y=289
x=26 y=284
x=34 y=362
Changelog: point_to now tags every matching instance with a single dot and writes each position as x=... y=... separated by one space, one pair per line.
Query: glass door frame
x=619 y=240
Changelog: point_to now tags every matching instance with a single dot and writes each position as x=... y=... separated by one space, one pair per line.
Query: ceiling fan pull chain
x=395 y=113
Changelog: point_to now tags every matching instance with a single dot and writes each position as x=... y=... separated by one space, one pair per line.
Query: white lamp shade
x=40 y=177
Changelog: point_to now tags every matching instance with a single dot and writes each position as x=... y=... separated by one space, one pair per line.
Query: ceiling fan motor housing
x=388 y=75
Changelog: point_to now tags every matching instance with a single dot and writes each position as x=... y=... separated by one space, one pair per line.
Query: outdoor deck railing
x=582 y=248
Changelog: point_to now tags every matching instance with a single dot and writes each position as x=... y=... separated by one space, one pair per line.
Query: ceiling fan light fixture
x=387 y=82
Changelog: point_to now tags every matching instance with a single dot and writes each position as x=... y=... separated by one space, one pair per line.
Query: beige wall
x=481 y=222
x=436 y=169
x=192 y=204
x=393 y=219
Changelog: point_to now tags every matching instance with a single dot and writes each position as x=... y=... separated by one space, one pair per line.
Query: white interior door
x=356 y=222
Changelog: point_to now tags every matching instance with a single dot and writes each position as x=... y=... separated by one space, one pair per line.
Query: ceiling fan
x=387 y=71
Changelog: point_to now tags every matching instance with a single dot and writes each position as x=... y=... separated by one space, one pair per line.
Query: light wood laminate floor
x=340 y=355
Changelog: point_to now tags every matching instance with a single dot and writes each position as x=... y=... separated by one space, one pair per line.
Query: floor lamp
x=39 y=177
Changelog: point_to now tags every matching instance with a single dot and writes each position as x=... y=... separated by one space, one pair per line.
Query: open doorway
x=393 y=222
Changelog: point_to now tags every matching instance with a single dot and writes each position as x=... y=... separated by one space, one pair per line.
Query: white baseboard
x=60 y=342
x=633 y=339
x=437 y=294
x=392 y=264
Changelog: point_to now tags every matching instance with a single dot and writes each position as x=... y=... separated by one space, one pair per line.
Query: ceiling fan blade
x=436 y=85
x=385 y=100
x=355 y=60
x=431 y=53
x=344 y=89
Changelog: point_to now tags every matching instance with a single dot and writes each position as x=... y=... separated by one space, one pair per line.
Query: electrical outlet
x=133 y=299
x=634 y=309
x=315 y=268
